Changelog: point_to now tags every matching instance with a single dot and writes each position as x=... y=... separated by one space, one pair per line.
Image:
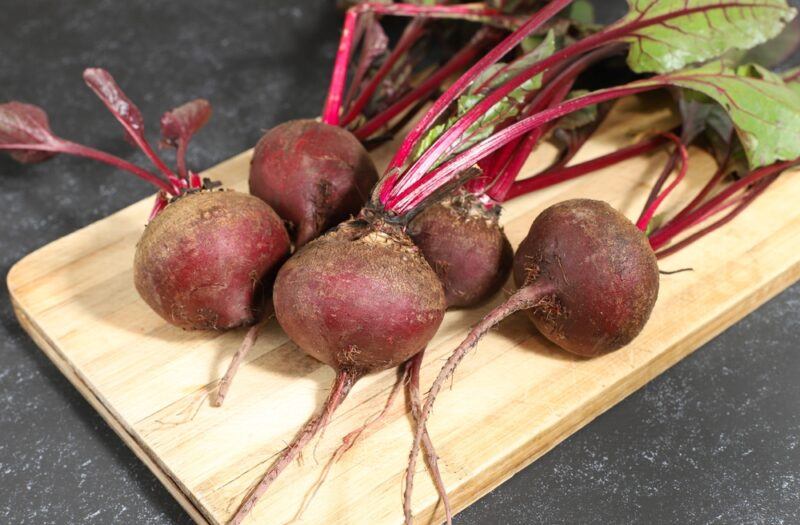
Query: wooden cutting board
x=512 y=400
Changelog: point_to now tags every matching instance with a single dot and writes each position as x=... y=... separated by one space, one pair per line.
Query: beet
x=466 y=247
x=207 y=260
x=361 y=298
x=588 y=279
x=601 y=269
x=312 y=174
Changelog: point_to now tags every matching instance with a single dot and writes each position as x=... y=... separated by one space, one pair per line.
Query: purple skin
x=465 y=246
x=359 y=298
x=602 y=273
x=208 y=259
x=314 y=175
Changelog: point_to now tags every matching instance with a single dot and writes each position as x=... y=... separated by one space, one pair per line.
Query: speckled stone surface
x=714 y=440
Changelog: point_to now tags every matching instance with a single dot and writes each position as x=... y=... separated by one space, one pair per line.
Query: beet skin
x=206 y=260
x=601 y=269
x=465 y=246
x=312 y=174
x=359 y=298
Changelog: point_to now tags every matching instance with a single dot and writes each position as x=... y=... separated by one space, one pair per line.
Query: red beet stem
x=410 y=36
x=460 y=85
x=551 y=177
x=524 y=298
x=341 y=387
x=744 y=203
x=247 y=344
x=79 y=150
x=475 y=12
x=650 y=211
x=431 y=458
x=450 y=170
x=554 y=92
x=457 y=62
x=330 y=114
x=663 y=235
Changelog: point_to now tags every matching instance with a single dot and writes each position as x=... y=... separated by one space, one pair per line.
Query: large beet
x=359 y=298
x=602 y=271
x=465 y=246
x=206 y=261
x=312 y=174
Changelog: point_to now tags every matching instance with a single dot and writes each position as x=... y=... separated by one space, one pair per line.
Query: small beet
x=602 y=270
x=466 y=247
x=207 y=260
x=312 y=174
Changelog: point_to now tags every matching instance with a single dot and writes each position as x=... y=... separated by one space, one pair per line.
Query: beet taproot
x=314 y=175
x=466 y=247
x=207 y=260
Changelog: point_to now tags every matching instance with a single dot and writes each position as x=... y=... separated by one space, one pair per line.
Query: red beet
x=600 y=269
x=313 y=174
x=466 y=247
x=207 y=260
x=361 y=298
x=588 y=279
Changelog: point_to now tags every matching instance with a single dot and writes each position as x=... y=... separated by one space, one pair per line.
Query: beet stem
x=526 y=297
x=330 y=114
x=650 y=211
x=341 y=387
x=446 y=172
x=555 y=91
x=79 y=150
x=744 y=203
x=460 y=85
x=663 y=235
x=551 y=177
x=410 y=36
x=431 y=458
x=247 y=344
x=180 y=156
x=428 y=86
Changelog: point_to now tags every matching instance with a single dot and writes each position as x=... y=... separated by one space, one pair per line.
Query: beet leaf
x=26 y=124
x=692 y=31
x=125 y=111
x=180 y=124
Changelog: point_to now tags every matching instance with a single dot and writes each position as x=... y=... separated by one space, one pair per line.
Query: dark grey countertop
x=716 y=439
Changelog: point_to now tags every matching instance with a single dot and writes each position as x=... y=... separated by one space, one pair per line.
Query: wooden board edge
x=484 y=482
x=49 y=349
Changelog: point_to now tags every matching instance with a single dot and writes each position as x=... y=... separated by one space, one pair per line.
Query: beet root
x=588 y=279
x=208 y=259
x=466 y=247
x=312 y=174
x=360 y=297
x=602 y=270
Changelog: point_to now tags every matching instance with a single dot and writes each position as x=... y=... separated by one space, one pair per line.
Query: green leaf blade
x=763 y=109
x=673 y=34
